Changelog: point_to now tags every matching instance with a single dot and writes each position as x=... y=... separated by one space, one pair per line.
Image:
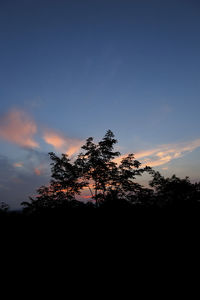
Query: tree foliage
x=110 y=184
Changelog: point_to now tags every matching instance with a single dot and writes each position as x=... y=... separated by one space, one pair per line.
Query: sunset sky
x=73 y=69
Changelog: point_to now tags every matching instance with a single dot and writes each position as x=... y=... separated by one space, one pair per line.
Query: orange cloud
x=18 y=165
x=54 y=139
x=38 y=171
x=118 y=160
x=163 y=154
x=16 y=127
x=61 y=143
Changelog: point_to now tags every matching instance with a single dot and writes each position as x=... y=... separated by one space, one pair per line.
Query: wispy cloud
x=62 y=143
x=23 y=181
x=37 y=163
x=41 y=169
x=163 y=154
x=38 y=171
x=18 y=165
x=17 y=127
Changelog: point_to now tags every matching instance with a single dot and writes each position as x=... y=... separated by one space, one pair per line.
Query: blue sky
x=77 y=68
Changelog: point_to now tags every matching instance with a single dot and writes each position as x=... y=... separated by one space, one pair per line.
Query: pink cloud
x=163 y=154
x=62 y=143
x=18 y=128
x=18 y=165
x=38 y=171
x=41 y=169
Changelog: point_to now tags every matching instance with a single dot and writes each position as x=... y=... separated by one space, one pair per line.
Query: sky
x=71 y=69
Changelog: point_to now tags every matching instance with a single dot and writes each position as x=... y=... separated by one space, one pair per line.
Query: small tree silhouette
x=174 y=191
x=4 y=207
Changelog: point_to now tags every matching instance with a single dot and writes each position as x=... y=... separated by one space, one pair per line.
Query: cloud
x=18 y=165
x=18 y=128
x=37 y=171
x=118 y=160
x=40 y=170
x=163 y=154
x=37 y=162
x=61 y=143
x=23 y=181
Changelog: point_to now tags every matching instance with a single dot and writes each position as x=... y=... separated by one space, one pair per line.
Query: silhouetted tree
x=95 y=169
x=4 y=207
x=106 y=179
x=60 y=194
x=174 y=191
x=110 y=184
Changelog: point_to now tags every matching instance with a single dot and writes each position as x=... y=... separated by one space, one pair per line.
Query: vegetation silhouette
x=3 y=208
x=111 y=185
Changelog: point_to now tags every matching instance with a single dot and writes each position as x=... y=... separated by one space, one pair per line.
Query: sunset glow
x=16 y=127
x=71 y=70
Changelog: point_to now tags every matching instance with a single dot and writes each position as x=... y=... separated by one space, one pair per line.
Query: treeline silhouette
x=108 y=184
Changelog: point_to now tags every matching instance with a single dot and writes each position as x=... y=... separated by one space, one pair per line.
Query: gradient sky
x=72 y=69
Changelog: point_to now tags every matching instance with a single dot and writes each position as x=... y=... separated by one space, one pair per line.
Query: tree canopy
x=109 y=182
